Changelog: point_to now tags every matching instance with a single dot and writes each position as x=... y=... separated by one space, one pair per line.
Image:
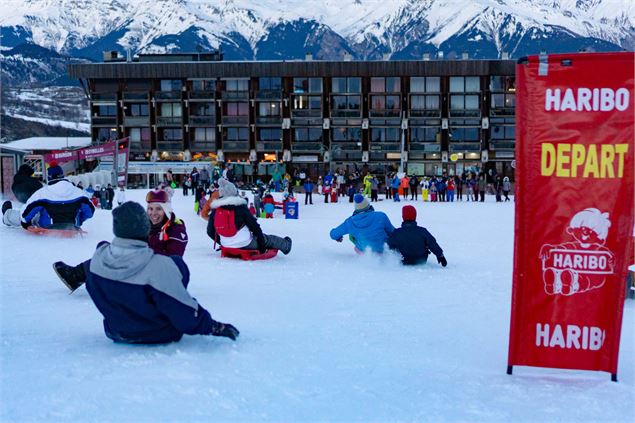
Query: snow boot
x=287 y=249
x=72 y=277
x=6 y=206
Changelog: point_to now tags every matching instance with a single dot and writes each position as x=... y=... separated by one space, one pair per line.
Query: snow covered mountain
x=273 y=29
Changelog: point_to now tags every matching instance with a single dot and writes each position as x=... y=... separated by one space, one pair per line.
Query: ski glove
x=442 y=260
x=226 y=330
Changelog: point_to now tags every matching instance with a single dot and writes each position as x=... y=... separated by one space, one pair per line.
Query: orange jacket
x=208 y=205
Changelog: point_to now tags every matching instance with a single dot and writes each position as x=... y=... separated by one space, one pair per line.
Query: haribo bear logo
x=582 y=264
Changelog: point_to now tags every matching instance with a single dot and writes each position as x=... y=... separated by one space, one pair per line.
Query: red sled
x=247 y=255
x=60 y=233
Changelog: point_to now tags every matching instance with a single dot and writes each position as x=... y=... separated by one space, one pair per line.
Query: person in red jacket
x=167 y=237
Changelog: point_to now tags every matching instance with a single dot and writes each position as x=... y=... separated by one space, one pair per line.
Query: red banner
x=574 y=209
x=96 y=151
x=61 y=156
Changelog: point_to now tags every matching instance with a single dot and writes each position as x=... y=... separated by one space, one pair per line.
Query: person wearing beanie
x=142 y=295
x=168 y=235
x=232 y=225
x=413 y=242
x=367 y=228
x=24 y=184
x=57 y=205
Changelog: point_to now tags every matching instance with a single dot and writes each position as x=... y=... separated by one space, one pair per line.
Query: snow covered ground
x=326 y=335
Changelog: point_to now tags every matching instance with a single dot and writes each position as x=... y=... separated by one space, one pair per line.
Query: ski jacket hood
x=121 y=259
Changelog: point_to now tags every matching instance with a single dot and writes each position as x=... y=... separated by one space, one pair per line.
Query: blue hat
x=361 y=202
x=55 y=172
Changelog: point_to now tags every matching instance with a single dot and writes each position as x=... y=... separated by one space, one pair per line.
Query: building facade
x=429 y=116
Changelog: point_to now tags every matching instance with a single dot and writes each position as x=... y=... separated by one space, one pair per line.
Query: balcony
x=235 y=120
x=303 y=146
x=136 y=121
x=236 y=146
x=346 y=113
x=424 y=113
x=385 y=147
x=306 y=113
x=268 y=145
x=202 y=95
x=269 y=120
x=385 y=113
x=103 y=97
x=502 y=111
x=202 y=120
x=140 y=146
x=169 y=145
x=465 y=147
x=169 y=120
x=346 y=146
x=196 y=146
x=104 y=120
x=268 y=95
x=502 y=145
x=426 y=147
x=465 y=112
x=135 y=96
x=235 y=95
x=167 y=95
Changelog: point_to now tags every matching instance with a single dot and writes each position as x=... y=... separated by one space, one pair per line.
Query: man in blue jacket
x=366 y=227
x=142 y=295
x=414 y=242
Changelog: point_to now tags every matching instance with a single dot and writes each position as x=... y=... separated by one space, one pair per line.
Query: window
x=269 y=109
x=503 y=133
x=346 y=102
x=385 y=135
x=171 y=109
x=346 y=85
x=500 y=101
x=307 y=134
x=139 y=134
x=203 y=109
x=171 y=84
x=388 y=102
x=502 y=83
x=105 y=134
x=107 y=110
x=270 y=134
x=235 y=134
x=428 y=84
x=464 y=102
x=236 y=85
x=307 y=85
x=270 y=84
x=205 y=134
x=236 y=109
x=347 y=134
x=171 y=134
x=460 y=84
x=465 y=135
x=425 y=135
x=204 y=85
x=134 y=109
x=385 y=85
x=303 y=102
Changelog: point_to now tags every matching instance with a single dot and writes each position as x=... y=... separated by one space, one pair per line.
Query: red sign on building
x=574 y=209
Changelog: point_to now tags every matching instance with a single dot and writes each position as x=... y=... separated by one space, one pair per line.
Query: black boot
x=287 y=248
x=72 y=277
x=6 y=206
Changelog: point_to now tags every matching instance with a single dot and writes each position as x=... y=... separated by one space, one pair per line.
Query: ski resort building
x=428 y=116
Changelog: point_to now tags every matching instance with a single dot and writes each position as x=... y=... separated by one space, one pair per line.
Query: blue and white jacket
x=369 y=229
x=143 y=295
x=60 y=202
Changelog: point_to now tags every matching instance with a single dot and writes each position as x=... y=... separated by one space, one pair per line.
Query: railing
x=235 y=95
x=140 y=146
x=502 y=111
x=169 y=145
x=103 y=97
x=269 y=146
x=167 y=95
x=346 y=146
x=465 y=146
x=241 y=146
x=384 y=113
x=425 y=113
x=203 y=145
x=301 y=146
x=202 y=120
x=104 y=120
x=428 y=147
x=135 y=96
x=269 y=120
x=346 y=113
x=235 y=120
x=385 y=146
x=300 y=113
x=465 y=112
x=202 y=95
x=169 y=120
x=268 y=95
x=502 y=145
x=136 y=121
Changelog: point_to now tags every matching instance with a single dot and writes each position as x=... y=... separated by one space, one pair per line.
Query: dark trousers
x=413 y=193
x=185 y=190
x=482 y=193
x=373 y=195
x=506 y=194
x=459 y=194
x=271 y=241
x=326 y=198
x=308 y=197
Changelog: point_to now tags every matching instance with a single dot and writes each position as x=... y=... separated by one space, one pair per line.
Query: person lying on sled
x=232 y=225
x=58 y=205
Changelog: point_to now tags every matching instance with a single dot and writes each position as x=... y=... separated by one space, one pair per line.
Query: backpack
x=224 y=222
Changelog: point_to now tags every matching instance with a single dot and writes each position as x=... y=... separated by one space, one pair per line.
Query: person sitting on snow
x=143 y=295
x=413 y=242
x=58 y=205
x=24 y=184
x=367 y=228
x=232 y=225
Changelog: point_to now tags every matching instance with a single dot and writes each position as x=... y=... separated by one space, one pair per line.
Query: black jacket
x=24 y=185
x=414 y=243
x=242 y=217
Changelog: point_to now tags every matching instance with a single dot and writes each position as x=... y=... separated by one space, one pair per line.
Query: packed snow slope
x=326 y=335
